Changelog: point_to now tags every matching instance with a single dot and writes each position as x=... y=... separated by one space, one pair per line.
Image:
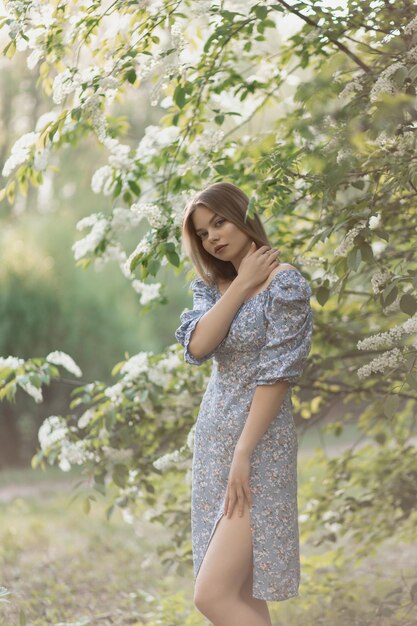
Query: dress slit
x=219 y=517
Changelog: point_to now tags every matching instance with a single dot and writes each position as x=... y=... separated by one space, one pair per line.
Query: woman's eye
x=202 y=235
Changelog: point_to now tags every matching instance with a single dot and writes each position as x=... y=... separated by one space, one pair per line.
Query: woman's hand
x=238 y=489
x=257 y=264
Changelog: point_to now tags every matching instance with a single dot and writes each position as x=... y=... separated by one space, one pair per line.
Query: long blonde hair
x=230 y=202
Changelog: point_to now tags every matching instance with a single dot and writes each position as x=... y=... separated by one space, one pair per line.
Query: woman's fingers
x=238 y=496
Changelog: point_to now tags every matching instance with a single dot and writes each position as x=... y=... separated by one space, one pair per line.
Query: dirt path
x=10 y=492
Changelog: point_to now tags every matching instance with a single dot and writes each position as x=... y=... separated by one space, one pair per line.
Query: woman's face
x=214 y=230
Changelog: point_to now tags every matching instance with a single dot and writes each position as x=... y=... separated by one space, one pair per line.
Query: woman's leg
x=223 y=588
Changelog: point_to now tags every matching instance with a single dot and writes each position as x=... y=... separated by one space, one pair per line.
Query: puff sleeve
x=289 y=329
x=203 y=300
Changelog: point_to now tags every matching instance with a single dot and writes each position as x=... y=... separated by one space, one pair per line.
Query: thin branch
x=337 y=43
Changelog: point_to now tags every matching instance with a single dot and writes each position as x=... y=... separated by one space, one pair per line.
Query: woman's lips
x=221 y=248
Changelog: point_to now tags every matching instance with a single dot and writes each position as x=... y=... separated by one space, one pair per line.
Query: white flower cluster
x=343 y=155
x=61 y=358
x=154 y=139
x=177 y=37
x=411 y=27
x=11 y=362
x=379 y=280
x=148 y=292
x=24 y=382
x=143 y=247
x=20 y=152
x=384 y=84
x=85 y=418
x=98 y=231
x=124 y=219
x=161 y=373
x=388 y=359
x=170 y=460
x=155 y=216
x=350 y=88
x=382 y=340
x=343 y=248
x=52 y=430
x=374 y=221
x=74 y=453
x=115 y=393
x=136 y=365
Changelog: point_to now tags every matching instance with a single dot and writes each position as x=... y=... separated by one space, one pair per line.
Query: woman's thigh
x=228 y=560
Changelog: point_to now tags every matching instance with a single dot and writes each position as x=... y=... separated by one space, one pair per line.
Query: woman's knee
x=208 y=599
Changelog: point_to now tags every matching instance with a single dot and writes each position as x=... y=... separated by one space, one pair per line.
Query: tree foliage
x=332 y=170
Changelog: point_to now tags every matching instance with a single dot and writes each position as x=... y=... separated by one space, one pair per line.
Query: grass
x=64 y=567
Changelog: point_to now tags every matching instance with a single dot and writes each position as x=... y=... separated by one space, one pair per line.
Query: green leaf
x=408 y=304
x=389 y=294
x=366 y=251
x=131 y=76
x=134 y=187
x=354 y=258
x=22 y=618
x=179 y=96
x=120 y=475
x=173 y=257
x=322 y=295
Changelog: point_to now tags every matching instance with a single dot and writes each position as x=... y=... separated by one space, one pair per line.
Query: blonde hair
x=230 y=202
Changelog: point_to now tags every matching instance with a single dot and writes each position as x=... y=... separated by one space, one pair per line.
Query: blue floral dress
x=269 y=339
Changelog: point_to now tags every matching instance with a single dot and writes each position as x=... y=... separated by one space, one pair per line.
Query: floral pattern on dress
x=269 y=339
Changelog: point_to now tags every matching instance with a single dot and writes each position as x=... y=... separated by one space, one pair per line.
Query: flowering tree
x=333 y=172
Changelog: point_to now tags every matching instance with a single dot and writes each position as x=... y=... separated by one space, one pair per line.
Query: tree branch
x=341 y=46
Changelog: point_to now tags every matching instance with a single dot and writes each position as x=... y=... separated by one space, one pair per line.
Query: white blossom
x=374 y=221
x=168 y=461
x=148 y=292
x=350 y=88
x=124 y=219
x=102 y=180
x=151 y=212
x=343 y=248
x=35 y=392
x=11 y=362
x=20 y=152
x=153 y=140
x=388 y=359
x=64 y=84
x=143 y=247
x=61 y=358
x=74 y=453
x=411 y=27
x=91 y=241
x=115 y=393
x=385 y=339
x=136 y=365
x=379 y=280
x=85 y=418
x=52 y=430
x=384 y=84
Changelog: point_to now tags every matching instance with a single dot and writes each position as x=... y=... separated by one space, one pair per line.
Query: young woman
x=252 y=315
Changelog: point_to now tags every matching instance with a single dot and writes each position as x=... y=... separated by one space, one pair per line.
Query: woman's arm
x=214 y=325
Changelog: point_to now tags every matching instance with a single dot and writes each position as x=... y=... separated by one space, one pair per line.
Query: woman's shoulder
x=289 y=283
x=198 y=284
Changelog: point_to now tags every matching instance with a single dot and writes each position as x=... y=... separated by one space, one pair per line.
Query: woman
x=252 y=315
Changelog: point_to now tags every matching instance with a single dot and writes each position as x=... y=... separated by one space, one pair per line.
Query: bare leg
x=223 y=589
